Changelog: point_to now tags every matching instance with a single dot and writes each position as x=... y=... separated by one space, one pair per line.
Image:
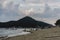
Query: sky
x=42 y=10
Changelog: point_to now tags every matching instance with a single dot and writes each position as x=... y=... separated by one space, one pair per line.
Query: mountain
x=44 y=25
x=26 y=22
x=27 y=18
x=29 y=22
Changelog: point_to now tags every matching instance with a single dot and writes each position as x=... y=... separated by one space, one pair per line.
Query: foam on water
x=12 y=32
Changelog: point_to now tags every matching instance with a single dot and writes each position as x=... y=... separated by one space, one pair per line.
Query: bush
x=57 y=22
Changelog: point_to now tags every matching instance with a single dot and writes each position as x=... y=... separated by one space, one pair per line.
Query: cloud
x=16 y=9
x=47 y=20
x=32 y=1
x=9 y=11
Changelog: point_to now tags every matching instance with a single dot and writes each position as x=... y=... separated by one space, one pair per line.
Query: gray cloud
x=15 y=9
x=32 y=1
x=10 y=12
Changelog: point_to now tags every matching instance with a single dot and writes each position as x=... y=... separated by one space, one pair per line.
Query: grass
x=41 y=34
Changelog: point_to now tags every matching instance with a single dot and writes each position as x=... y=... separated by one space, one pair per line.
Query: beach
x=41 y=34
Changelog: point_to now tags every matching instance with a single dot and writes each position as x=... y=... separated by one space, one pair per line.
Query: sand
x=41 y=34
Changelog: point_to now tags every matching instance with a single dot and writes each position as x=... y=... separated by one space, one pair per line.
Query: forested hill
x=26 y=22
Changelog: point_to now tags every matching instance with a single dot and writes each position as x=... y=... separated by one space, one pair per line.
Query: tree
x=57 y=22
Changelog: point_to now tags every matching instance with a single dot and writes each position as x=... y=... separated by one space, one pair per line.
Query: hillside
x=26 y=22
x=29 y=22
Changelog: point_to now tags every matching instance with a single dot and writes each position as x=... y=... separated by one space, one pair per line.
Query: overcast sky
x=16 y=9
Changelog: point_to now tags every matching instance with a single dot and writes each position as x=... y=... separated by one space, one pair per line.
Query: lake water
x=12 y=32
